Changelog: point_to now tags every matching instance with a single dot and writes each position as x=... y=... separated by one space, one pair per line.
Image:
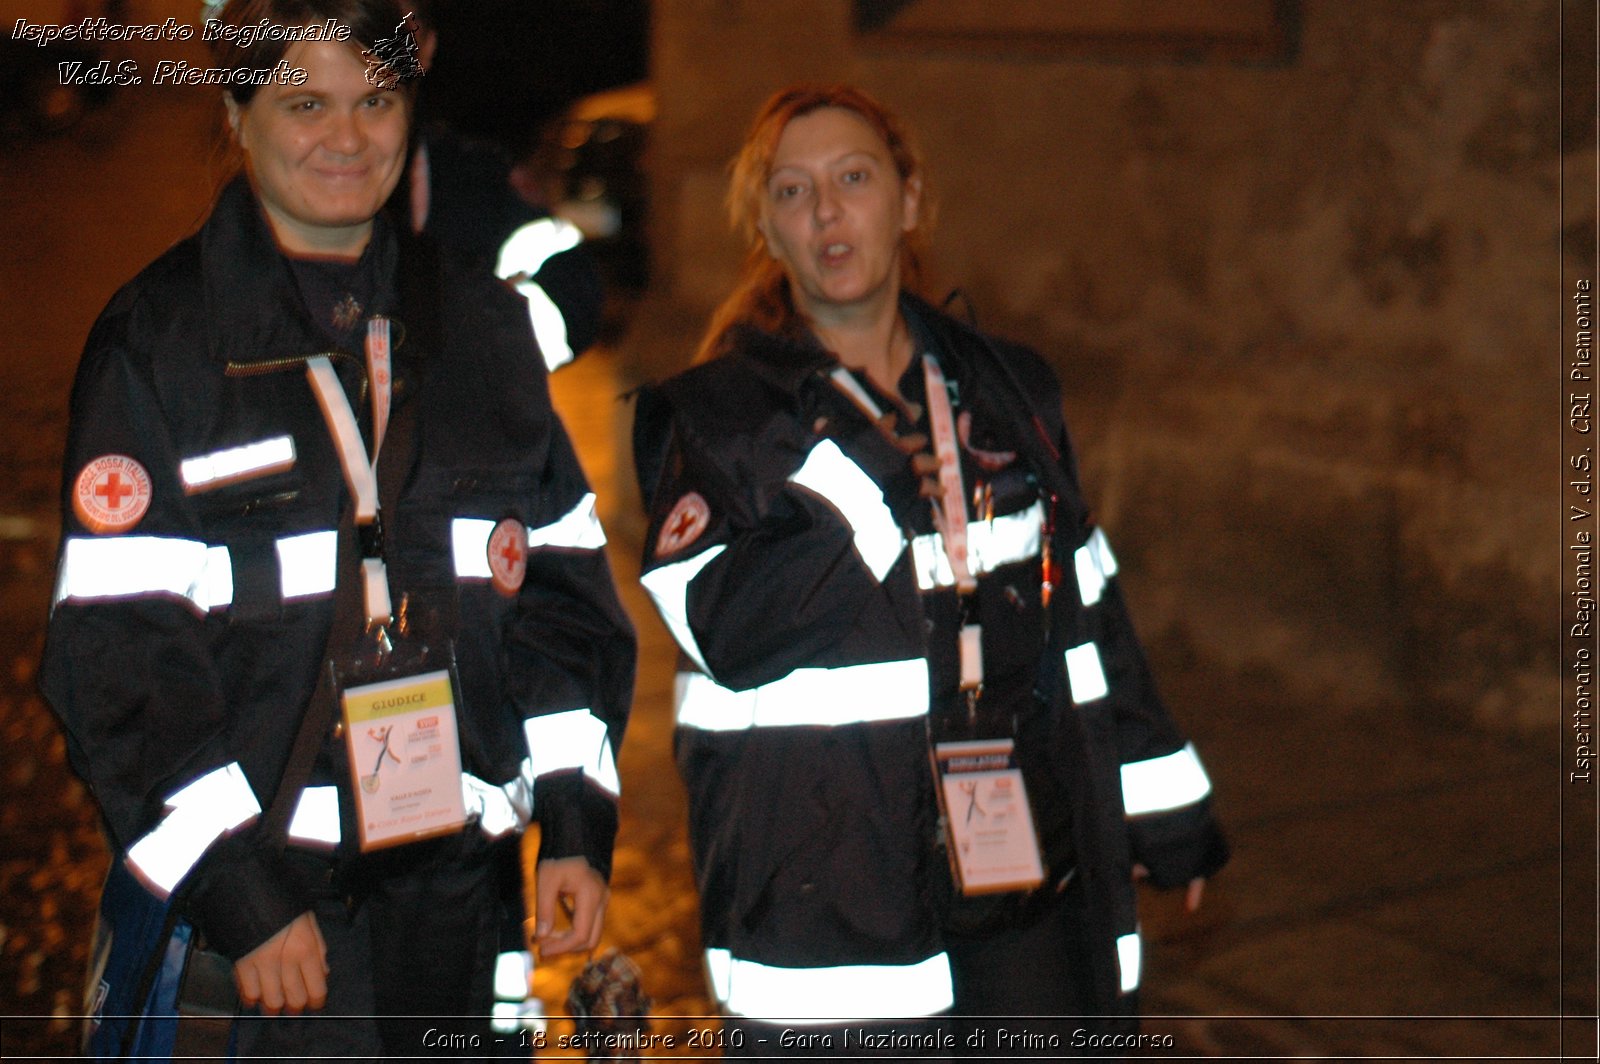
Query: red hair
x=761 y=296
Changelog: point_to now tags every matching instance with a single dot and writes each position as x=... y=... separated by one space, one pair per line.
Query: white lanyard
x=846 y=382
x=360 y=473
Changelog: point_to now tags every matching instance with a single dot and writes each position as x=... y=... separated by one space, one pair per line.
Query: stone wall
x=1306 y=310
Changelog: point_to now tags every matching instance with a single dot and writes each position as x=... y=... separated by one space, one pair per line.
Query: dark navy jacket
x=183 y=649
x=790 y=555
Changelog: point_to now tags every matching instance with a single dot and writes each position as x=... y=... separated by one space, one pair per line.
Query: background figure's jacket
x=471 y=209
x=804 y=591
x=182 y=652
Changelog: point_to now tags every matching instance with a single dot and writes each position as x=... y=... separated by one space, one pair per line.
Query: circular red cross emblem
x=683 y=525
x=111 y=494
x=508 y=556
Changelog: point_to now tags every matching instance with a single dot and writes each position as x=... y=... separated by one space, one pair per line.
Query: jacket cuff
x=242 y=896
x=1179 y=846
x=575 y=820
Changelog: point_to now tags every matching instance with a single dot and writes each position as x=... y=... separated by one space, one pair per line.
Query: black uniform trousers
x=410 y=957
x=1024 y=991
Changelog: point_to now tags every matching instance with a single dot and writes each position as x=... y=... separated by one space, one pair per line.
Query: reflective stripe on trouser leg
x=1130 y=959
x=842 y=992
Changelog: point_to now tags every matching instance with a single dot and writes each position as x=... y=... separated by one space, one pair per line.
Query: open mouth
x=834 y=254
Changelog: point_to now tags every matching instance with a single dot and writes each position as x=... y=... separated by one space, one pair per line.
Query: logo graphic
x=508 y=556
x=393 y=59
x=371 y=783
x=346 y=313
x=111 y=494
x=689 y=518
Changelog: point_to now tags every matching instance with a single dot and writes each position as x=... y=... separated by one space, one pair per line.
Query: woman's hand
x=568 y=885
x=288 y=972
x=924 y=463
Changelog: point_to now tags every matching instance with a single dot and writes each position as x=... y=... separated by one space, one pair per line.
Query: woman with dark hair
x=923 y=751
x=332 y=613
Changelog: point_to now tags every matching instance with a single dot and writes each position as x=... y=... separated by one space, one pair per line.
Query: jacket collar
x=784 y=362
x=787 y=362
x=934 y=330
x=255 y=312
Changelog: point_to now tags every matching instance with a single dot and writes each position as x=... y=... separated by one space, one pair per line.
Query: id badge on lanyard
x=397 y=698
x=988 y=823
x=405 y=755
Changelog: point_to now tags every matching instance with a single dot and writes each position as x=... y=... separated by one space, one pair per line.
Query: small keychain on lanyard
x=950 y=518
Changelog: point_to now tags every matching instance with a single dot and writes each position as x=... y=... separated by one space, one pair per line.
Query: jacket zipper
x=273 y=365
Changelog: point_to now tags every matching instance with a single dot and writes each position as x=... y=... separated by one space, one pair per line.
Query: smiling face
x=324 y=155
x=834 y=214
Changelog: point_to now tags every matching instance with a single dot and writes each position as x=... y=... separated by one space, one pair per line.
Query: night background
x=1305 y=269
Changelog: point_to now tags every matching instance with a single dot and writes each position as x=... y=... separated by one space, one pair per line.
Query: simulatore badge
x=111 y=494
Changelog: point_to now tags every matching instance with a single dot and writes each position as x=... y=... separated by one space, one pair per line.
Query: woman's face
x=834 y=212
x=323 y=155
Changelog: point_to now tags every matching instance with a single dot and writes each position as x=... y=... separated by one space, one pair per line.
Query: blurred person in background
x=459 y=190
x=240 y=559
x=924 y=754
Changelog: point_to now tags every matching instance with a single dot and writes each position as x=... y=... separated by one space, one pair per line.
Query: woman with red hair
x=923 y=751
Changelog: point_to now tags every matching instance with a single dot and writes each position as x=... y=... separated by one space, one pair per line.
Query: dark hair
x=761 y=296
x=369 y=22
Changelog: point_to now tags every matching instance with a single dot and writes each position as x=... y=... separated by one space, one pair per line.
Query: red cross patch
x=508 y=556
x=111 y=494
x=689 y=517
